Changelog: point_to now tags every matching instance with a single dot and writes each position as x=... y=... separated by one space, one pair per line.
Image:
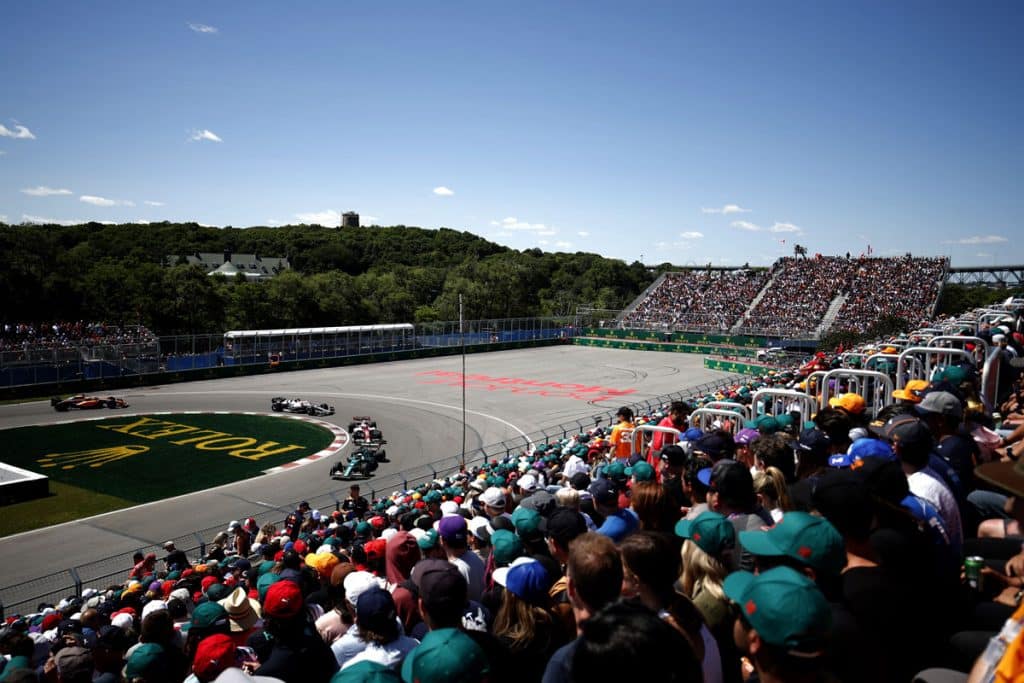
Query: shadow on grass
x=64 y=504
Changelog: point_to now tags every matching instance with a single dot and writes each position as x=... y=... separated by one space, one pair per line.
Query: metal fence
x=50 y=588
x=186 y=353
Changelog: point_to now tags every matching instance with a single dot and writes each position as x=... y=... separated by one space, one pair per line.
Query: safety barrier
x=952 y=341
x=928 y=359
x=874 y=387
x=729 y=405
x=883 y=359
x=644 y=435
x=705 y=419
x=783 y=402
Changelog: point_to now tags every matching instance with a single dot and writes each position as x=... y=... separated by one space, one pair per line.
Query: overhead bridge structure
x=993 y=276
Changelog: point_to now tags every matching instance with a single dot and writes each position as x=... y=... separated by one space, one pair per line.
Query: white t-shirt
x=927 y=484
x=390 y=654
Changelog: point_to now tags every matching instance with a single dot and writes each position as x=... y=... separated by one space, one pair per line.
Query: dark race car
x=361 y=464
x=82 y=402
x=296 y=405
x=364 y=431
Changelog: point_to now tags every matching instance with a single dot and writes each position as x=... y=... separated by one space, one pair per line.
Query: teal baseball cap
x=712 y=532
x=641 y=471
x=785 y=608
x=505 y=547
x=616 y=470
x=445 y=655
x=808 y=539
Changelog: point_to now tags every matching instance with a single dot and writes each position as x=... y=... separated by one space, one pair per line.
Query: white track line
x=367 y=396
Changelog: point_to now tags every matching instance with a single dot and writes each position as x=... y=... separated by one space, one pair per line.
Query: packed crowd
x=905 y=287
x=844 y=547
x=698 y=300
x=69 y=335
x=799 y=295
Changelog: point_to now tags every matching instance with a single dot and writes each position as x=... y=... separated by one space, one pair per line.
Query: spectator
x=783 y=625
x=627 y=641
x=650 y=566
x=594 y=574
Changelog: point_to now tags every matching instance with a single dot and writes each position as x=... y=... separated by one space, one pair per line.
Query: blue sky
x=676 y=131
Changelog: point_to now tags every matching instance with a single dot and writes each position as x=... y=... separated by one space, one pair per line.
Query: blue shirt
x=619 y=525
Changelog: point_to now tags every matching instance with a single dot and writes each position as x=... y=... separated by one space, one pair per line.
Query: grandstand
x=797 y=298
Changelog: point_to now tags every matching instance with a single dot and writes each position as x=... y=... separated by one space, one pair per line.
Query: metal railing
x=185 y=353
x=50 y=588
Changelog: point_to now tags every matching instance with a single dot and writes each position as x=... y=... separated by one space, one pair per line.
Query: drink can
x=972 y=571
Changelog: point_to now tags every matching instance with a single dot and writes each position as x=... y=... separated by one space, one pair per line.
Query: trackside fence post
x=201 y=544
x=76 y=580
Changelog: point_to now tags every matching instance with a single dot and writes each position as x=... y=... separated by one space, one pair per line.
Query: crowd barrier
x=50 y=588
x=676 y=337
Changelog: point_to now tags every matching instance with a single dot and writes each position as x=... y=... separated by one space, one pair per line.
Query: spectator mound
x=132 y=459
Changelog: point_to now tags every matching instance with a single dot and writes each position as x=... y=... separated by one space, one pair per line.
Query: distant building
x=253 y=266
x=350 y=219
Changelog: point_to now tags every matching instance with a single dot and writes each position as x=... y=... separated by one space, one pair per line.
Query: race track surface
x=417 y=404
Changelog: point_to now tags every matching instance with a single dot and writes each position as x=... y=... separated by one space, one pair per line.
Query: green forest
x=129 y=274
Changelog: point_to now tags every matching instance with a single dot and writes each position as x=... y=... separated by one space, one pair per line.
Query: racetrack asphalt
x=417 y=405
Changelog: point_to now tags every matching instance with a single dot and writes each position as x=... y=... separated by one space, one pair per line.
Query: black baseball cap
x=674 y=455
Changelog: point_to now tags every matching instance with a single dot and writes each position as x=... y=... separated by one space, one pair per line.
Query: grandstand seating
x=796 y=295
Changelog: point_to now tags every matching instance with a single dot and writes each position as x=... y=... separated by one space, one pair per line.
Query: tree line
x=130 y=274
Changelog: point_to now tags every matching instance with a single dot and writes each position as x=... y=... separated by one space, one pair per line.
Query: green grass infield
x=128 y=460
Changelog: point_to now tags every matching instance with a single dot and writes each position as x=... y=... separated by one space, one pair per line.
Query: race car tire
x=276 y=407
x=61 y=408
x=375 y=435
x=381 y=455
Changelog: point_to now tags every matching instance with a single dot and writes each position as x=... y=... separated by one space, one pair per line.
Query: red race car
x=82 y=402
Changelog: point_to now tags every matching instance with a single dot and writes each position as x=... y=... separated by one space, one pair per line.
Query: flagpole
x=462 y=337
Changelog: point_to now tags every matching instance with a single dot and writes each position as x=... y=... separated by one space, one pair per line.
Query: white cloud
x=562 y=244
x=202 y=28
x=149 y=202
x=44 y=191
x=984 y=254
x=329 y=218
x=368 y=220
x=29 y=218
x=785 y=227
x=271 y=223
x=3 y=152
x=727 y=209
x=583 y=233
x=18 y=132
x=207 y=225
x=512 y=223
x=691 y=235
x=542 y=243
x=204 y=134
x=103 y=201
x=140 y=221
x=746 y=225
x=3 y=217
x=978 y=239
x=443 y=191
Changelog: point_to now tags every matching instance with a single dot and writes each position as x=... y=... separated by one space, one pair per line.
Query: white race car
x=297 y=405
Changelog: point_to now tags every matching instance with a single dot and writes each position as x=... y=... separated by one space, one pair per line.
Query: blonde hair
x=701 y=572
x=568 y=498
x=771 y=485
x=518 y=622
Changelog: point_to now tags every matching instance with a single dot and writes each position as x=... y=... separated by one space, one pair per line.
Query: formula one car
x=82 y=402
x=361 y=464
x=364 y=431
x=297 y=405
